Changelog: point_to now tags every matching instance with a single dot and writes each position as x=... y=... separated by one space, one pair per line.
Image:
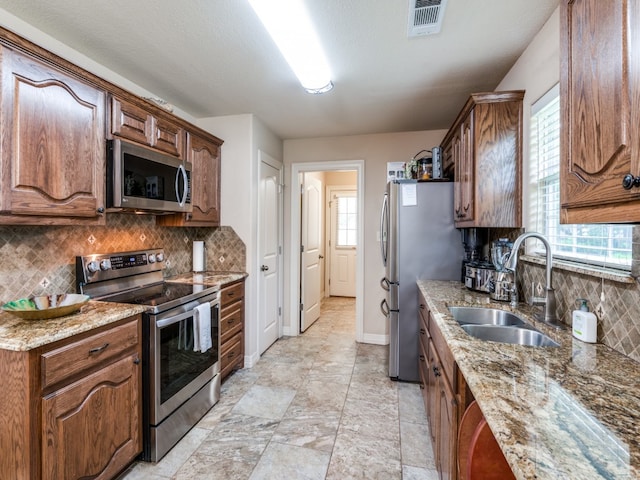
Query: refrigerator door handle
x=384 y=307
x=384 y=228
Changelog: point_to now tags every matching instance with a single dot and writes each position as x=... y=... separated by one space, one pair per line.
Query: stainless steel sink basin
x=514 y=335
x=484 y=316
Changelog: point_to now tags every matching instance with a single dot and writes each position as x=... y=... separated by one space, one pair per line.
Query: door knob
x=264 y=268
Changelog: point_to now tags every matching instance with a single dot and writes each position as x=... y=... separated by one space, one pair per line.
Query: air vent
x=425 y=16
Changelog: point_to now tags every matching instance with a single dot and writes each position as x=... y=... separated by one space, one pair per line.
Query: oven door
x=176 y=371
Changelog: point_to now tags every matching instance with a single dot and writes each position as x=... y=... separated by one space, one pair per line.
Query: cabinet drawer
x=88 y=353
x=231 y=321
x=231 y=354
x=445 y=357
x=231 y=294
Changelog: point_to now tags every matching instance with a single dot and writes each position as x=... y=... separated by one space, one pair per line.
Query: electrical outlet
x=600 y=311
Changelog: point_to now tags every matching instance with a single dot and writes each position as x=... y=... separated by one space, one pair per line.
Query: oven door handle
x=178 y=318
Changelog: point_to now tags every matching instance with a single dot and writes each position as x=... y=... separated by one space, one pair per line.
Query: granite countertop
x=557 y=413
x=208 y=278
x=22 y=335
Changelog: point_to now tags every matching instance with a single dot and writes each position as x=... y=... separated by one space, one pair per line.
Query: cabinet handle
x=136 y=360
x=98 y=349
x=100 y=210
x=421 y=386
x=422 y=331
x=629 y=181
x=231 y=354
x=421 y=358
x=436 y=371
x=422 y=306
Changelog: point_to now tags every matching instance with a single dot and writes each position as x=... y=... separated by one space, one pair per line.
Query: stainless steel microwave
x=144 y=180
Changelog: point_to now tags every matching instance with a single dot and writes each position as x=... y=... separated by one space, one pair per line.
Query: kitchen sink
x=484 y=316
x=510 y=334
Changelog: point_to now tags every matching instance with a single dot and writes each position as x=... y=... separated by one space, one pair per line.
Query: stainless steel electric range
x=180 y=381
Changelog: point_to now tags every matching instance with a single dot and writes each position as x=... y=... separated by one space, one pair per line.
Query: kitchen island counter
x=22 y=335
x=566 y=412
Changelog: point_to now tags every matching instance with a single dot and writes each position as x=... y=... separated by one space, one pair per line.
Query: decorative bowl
x=46 y=306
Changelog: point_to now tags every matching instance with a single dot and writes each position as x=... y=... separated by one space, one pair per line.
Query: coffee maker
x=476 y=272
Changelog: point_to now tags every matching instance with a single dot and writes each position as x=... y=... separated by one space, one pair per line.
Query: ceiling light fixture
x=288 y=23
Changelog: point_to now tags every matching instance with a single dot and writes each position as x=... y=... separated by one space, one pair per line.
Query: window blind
x=597 y=244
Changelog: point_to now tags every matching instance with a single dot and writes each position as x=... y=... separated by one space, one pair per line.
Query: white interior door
x=311 y=231
x=269 y=228
x=343 y=243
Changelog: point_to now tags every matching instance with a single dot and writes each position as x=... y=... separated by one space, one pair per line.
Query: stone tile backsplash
x=619 y=327
x=36 y=260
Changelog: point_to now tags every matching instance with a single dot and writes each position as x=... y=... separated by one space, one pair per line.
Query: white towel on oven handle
x=202 y=328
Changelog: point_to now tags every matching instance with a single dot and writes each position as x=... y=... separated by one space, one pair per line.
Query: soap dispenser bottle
x=584 y=323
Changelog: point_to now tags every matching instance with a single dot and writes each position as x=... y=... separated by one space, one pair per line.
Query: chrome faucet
x=549 y=314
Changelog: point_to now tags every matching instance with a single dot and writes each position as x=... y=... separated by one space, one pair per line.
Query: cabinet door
x=91 y=428
x=459 y=173
x=600 y=95
x=131 y=122
x=205 y=158
x=467 y=187
x=447 y=458
x=167 y=136
x=464 y=155
x=53 y=151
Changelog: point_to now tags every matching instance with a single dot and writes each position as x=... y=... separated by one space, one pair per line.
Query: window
x=347 y=220
x=596 y=244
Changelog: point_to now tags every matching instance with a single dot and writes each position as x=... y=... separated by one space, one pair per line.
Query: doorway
x=270 y=252
x=341 y=239
x=296 y=260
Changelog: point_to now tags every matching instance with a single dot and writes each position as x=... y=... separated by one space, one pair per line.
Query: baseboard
x=375 y=339
x=251 y=360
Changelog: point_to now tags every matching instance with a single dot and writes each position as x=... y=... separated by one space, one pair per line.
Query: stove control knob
x=93 y=266
x=160 y=257
x=105 y=264
x=152 y=258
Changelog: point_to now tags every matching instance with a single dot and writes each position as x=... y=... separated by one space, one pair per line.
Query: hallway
x=317 y=406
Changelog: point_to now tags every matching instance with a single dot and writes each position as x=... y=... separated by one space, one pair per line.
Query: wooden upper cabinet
x=135 y=123
x=52 y=145
x=203 y=152
x=600 y=110
x=485 y=143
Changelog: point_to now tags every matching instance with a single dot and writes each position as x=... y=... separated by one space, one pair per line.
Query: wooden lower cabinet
x=444 y=391
x=231 y=328
x=72 y=409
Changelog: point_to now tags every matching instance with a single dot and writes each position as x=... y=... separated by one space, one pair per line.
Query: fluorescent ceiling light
x=288 y=23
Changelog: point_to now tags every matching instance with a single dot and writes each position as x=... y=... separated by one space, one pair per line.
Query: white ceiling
x=213 y=57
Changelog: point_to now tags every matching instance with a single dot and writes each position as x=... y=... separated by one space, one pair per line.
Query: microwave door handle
x=178 y=318
x=185 y=179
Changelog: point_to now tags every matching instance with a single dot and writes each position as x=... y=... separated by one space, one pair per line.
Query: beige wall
x=375 y=150
x=536 y=71
x=245 y=137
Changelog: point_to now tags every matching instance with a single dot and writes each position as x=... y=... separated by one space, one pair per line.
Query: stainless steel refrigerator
x=418 y=241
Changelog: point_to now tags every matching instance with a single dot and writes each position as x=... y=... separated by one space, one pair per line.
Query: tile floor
x=317 y=406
